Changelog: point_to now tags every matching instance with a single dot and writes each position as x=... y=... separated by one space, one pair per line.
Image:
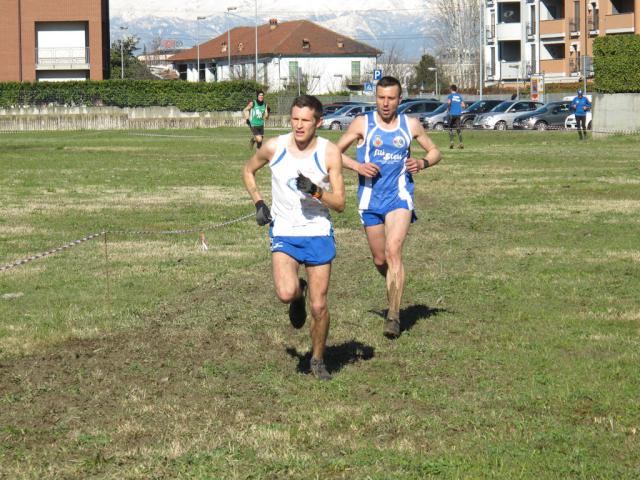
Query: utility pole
x=122 y=52
x=229 y=10
x=255 y=72
x=481 y=70
x=198 y=47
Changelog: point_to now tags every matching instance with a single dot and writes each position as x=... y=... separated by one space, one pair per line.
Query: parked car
x=476 y=108
x=342 y=118
x=332 y=107
x=436 y=120
x=409 y=99
x=417 y=108
x=550 y=115
x=571 y=124
x=502 y=115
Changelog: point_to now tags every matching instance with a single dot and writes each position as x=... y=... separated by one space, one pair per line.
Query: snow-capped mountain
x=405 y=29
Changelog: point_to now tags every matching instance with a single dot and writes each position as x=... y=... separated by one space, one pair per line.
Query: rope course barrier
x=203 y=241
x=207 y=137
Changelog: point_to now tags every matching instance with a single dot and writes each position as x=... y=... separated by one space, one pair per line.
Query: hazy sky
x=266 y=8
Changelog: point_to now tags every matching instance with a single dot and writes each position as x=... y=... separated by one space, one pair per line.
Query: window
x=509 y=12
x=355 y=72
x=293 y=71
x=521 y=107
x=182 y=70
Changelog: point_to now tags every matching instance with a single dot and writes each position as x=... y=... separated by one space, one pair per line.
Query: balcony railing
x=491 y=34
x=574 y=65
x=510 y=70
x=621 y=22
x=574 y=25
x=62 y=57
x=531 y=29
x=552 y=27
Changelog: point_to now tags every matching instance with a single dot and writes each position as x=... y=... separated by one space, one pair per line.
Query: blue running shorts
x=306 y=250
x=369 y=218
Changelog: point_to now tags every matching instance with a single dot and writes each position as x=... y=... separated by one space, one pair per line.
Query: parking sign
x=377 y=74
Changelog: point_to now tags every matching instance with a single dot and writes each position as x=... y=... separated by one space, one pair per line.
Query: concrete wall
x=113 y=118
x=616 y=113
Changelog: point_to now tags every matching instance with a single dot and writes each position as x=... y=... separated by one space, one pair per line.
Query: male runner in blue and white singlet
x=306 y=181
x=385 y=193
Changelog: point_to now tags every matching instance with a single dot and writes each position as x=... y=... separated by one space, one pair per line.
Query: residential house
x=288 y=53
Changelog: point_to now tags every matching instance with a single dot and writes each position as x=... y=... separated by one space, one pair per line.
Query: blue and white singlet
x=389 y=149
x=294 y=213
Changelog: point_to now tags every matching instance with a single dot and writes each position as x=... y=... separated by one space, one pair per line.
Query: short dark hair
x=453 y=88
x=389 y=82
x=308 y=101
x=258 y=92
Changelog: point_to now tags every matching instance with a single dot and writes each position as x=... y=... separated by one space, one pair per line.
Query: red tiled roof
x=287 y=38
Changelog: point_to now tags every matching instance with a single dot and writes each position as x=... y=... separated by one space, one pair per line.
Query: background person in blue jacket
x=581 y=105
x=455 y=105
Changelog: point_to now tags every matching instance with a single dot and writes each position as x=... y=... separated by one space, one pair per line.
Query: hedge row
x=616 y=63
x=187 y=96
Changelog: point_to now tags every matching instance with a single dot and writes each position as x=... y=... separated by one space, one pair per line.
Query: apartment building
x=554 y=37
x=43 y=40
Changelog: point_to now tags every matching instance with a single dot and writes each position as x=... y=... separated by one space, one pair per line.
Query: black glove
x=263 y=215
x=305 y=185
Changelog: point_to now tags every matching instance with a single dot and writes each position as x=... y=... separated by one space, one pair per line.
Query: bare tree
x=458 y=38
x=392 y=64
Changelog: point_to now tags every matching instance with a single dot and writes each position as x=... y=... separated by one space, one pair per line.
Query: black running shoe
x=391 y=327
x=319 y=370
x=298 y=308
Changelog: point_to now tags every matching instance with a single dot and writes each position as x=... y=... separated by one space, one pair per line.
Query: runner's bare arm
x=247 y=109
x=433 y=154
x=355 y=133
x=335 y=199
x=255 y=163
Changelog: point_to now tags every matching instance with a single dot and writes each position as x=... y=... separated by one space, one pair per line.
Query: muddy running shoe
x=298 y=308
x=319 y=370
x=451 y=145
x=461 y=146
x=391 y=327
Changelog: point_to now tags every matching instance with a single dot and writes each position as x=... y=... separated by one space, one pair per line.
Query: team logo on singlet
x=398 y=142
x=377 y=142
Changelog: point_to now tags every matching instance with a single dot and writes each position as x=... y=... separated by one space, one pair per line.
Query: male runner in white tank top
x=306 y=181
x=385 y=193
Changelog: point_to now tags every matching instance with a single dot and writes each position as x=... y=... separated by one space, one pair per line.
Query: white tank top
x=296 y=214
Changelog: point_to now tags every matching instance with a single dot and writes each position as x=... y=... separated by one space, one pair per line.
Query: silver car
x=438 y=119
x=342 y=118
x=418 y=108
x=502 y=115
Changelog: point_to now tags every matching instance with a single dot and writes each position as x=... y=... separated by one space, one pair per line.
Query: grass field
x=146 y=357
